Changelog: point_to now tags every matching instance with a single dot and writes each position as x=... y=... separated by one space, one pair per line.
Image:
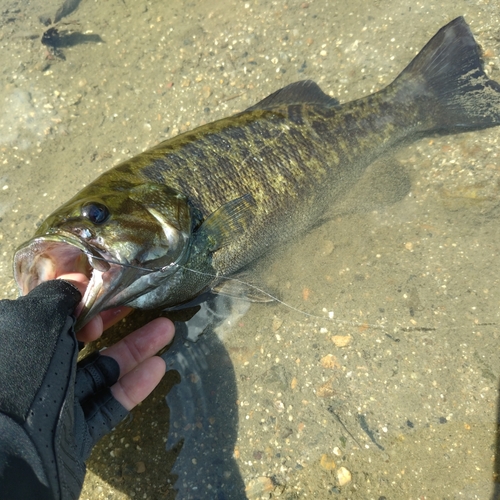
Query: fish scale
x=161 y=229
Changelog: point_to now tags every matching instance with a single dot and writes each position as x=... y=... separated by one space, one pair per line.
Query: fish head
x=115 y=240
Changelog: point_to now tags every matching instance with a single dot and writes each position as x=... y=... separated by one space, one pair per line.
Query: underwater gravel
x=389 y=389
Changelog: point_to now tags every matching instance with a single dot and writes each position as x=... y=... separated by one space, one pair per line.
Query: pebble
x=259 y=486
x=206 y=92
x=343 y=476
x=140 y=467
x=342 y=340
x=327 y=248
x=277 y=322
x=327 y=462
x=325 y=390
x=329 y=361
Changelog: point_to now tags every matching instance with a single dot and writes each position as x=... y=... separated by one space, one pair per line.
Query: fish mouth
x=49 y=256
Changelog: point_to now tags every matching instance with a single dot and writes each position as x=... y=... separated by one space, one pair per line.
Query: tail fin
x=447 y=77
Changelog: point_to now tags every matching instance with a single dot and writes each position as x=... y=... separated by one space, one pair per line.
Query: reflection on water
x=394 y=396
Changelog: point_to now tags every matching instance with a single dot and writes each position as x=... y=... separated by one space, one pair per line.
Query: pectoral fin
x=239 y=287
x=231 y=219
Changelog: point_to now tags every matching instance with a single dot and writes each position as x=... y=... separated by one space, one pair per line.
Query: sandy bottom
x=379 y=377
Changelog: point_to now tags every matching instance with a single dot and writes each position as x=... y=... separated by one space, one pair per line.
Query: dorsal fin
x=304 y=92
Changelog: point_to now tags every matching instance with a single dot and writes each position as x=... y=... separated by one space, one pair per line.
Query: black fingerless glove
x=51 y=412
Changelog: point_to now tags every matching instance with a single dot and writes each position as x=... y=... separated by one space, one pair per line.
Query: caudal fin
x=448 y=80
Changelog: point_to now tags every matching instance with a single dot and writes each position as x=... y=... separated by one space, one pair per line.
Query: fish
x=170 y=225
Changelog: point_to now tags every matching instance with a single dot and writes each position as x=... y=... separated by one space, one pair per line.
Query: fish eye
x=95 y=212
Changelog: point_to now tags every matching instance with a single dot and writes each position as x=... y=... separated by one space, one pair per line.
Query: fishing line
x=249 y=285
x=340 y=321
x=175 y=265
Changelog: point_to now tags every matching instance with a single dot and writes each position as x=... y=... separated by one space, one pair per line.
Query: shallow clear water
x=392 y=375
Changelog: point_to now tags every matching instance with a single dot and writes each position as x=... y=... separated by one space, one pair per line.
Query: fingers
x=140 y=370
x=77 y=279
x=112 y=316
x=140 y=373
x=94 y=328
x=91 y=331
x=138 y=384
x=141 y=344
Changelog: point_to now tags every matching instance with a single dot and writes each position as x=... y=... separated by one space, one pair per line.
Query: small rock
x=140 y=467
x=329 y=361
x=259 y=486
x=343 y=476
x=280 y=407
x=327 y=462
x=325 y=390
x=327 y=248
x=277 y=322
x=341 y=340
x=206 y=92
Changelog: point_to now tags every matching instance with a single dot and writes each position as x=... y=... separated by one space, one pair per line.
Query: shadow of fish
x=167 y=226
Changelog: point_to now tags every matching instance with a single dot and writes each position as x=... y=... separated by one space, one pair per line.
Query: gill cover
x=172 y=211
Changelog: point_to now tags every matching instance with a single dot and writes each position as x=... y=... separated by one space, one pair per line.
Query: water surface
x=392 y=375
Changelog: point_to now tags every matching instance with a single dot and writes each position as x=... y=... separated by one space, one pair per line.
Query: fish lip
x=60 y=237
x=34 y=263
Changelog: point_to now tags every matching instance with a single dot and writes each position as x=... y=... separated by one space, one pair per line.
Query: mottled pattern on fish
x=293 y=159
x=262 y=177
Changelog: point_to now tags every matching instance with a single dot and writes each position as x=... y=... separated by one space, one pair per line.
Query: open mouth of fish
x=49 y=256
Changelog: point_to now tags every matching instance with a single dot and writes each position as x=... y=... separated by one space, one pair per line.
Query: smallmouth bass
x=168 y=225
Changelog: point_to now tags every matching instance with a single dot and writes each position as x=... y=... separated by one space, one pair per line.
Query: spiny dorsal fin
x=304 y=92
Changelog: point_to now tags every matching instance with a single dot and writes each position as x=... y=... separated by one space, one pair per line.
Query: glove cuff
x=55 y=442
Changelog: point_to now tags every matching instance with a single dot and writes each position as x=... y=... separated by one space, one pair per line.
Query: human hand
x=64 y=409
x=140 y=370
x=94 y=328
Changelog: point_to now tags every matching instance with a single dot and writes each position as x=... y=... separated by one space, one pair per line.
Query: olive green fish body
x=294 y=160
x=204 y=204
